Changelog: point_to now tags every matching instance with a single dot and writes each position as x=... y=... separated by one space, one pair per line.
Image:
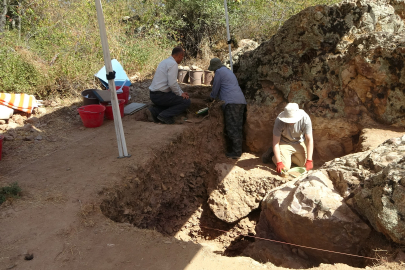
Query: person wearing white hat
x=292 y=139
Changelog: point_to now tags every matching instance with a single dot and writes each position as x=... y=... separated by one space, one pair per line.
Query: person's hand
x=280 y=167
x=185 y=95
x=309 y=165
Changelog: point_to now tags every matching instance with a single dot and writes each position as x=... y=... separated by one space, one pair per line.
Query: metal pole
x=119 y=131
x=228 y=34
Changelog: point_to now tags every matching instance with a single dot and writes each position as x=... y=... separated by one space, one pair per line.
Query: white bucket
x=5 y=112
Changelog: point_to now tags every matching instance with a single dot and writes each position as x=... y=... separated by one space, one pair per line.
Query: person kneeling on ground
x=288 y=139
x=226 y=86
x=165 y=93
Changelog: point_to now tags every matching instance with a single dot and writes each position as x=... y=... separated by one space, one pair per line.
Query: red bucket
x=125 y=94
x=109 y=112
x=1 y=144
x=92 y=115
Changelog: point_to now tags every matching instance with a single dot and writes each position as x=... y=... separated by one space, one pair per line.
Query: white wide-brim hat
x=291 y=113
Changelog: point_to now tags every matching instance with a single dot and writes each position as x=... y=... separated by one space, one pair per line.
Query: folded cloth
x=20 y=102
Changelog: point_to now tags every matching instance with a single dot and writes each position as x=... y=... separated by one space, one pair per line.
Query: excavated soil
x=169 y=194
x=72 y=181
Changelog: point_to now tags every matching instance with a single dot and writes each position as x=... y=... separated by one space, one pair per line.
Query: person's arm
x=216 y=86
x=172 y=80
x=276 y=148
x=309 y=142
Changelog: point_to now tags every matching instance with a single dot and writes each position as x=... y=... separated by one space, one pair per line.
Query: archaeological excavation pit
x=185 y=189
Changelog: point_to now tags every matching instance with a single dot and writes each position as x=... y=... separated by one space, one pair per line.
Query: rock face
x=341 y=63
x=310 y=212
x=239 y=191
x=375 y=180
x=245 y=45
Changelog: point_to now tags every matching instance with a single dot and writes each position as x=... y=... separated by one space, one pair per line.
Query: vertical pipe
x=228 y=35
x=122 y=148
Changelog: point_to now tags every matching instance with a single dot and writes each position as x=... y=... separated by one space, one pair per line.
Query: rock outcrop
x=310 y=212
x=341 y=63
x=375 y=183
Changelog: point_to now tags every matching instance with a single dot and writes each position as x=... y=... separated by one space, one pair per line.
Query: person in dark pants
x=165 y=93
x=226 y=87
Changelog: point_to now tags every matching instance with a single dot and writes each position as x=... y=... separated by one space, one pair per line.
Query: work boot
x=152 y=117
x=267 y=156
x=165 y=120
x=232 y=155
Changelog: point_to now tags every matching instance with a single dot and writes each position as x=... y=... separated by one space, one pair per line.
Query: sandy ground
x=58 y=219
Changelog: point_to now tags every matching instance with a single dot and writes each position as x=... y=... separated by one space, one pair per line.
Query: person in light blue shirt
x=226 y=88
x=168 y=98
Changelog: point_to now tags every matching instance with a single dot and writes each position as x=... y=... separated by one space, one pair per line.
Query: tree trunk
x=3 y=16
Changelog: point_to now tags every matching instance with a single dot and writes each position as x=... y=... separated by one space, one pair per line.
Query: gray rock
x=377 y=186
x=29 y=138
x=8 y=138
x=309 y=211
x=32 y=120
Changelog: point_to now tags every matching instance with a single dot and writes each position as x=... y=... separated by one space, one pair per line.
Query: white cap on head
x=291 y=113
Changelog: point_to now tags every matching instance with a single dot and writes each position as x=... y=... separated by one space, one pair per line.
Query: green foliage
x=11 y=191
x=59 y=49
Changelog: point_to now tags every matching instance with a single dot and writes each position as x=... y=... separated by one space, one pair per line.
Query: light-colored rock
x=18 y=119
x=244 y=46
x=310 y=212
x=239 y=191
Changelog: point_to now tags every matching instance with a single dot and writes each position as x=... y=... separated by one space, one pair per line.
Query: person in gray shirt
x=292 y=139
x=168 y=98
x=226 y=88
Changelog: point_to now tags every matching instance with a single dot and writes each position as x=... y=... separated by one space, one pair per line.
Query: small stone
x=32 y=120
x=41 y=110
x=29 y=256
x=38 y=138
x=8 y=138
x=27 y=127
x=29 y=138
x=2 y=122
x=182 y=175
x=12 y=125
x=18 y=119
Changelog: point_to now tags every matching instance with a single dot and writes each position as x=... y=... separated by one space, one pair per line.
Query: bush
x=60 y=49
x=11 y=191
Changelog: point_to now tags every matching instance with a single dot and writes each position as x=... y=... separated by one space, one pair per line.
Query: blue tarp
x=120 y=75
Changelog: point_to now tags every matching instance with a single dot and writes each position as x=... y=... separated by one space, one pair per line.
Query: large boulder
x=373 y=182
x=343 y=61
x=310 y=212
x=239 y=191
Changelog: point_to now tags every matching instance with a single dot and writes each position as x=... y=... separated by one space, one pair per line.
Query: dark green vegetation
x=52 y=47
x=11 y=191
